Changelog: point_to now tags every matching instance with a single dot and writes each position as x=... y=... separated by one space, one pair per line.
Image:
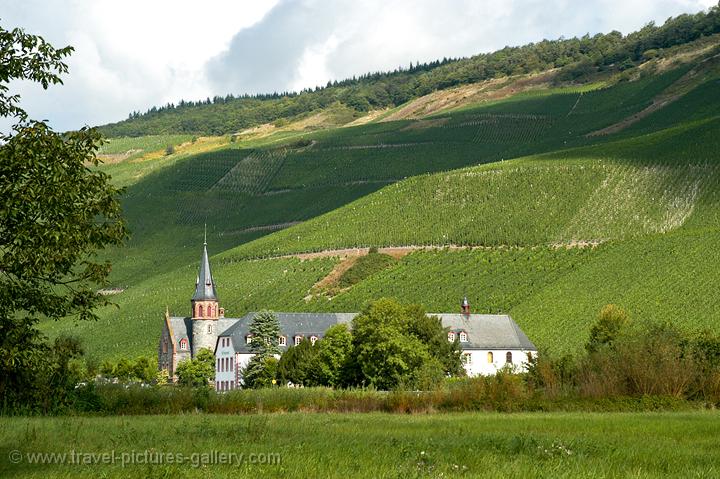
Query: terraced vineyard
x=522 y=180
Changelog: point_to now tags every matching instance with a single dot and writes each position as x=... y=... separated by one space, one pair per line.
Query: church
x=489 y=342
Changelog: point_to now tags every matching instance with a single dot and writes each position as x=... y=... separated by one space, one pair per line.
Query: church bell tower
x=205 y=307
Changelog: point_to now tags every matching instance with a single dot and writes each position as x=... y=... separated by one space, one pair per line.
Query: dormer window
x=248 y=339
x=451 y=337
x=183 y=344
x=463 y=337
x=282 y=341
x=313 y=339
x=297 y=340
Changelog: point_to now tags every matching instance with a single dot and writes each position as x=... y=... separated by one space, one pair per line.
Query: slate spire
x=205 y=285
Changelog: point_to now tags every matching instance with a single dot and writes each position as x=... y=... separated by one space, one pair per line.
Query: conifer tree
x=264 y=331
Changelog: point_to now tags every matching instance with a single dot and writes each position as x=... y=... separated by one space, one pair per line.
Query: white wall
x=225 y=353
x=479 y=364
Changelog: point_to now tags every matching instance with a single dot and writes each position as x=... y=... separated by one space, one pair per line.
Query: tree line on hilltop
x=577 y=58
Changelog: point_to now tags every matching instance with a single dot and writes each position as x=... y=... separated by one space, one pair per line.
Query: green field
x=378 y=445
x=519 y=178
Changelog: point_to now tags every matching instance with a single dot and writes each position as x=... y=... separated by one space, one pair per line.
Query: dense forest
x=578 y=59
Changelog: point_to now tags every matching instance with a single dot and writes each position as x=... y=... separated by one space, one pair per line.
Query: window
x=467 y=358
x=164 y=346
x=463 y=337
x=508 y=357
x=282 y=341
x=248 y=339
x=209 y=328
x=313 y=340
x=183 y=344
x=529 y=356
x=451 y=337
x=298 y=339
x=490 y=357
x=200 y=311
x=217 y=364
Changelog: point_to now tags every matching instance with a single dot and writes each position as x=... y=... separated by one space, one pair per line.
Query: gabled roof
x=487 y=331
x=205 y=285
x=181 y=328
x=291 y=325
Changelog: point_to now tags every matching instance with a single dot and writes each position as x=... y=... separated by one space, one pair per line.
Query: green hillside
x=558 y=221
x=574 y=59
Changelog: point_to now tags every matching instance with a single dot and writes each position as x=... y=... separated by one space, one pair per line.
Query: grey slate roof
x=181 y=328
x=291 y=325
x=205 y=285
x=487 y=331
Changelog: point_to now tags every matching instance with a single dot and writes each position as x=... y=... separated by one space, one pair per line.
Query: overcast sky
x=133 y=54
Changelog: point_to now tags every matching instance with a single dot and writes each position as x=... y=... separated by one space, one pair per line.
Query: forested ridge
x=578 y=59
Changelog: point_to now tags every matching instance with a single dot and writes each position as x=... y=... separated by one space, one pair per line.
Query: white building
x=489 y=342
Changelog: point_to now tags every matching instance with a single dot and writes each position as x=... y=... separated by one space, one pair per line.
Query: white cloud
x=133 y=54
x=128 y=55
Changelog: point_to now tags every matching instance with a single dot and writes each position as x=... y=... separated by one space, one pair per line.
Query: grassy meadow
x=597 y=445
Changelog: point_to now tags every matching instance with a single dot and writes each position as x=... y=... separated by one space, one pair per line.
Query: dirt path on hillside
x=398 y=252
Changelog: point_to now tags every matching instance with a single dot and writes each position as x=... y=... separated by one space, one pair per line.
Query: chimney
x=465 y=306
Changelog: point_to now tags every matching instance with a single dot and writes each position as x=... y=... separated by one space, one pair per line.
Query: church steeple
x=205 y=308
x=205 y=285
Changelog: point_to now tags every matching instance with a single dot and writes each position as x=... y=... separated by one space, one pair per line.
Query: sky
x=133 y=54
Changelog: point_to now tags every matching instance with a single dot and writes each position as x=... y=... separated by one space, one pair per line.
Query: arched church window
x=490 y=357
x=200 y=311
x=508 y=357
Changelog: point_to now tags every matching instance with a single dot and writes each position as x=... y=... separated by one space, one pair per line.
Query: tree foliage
x=55 y=214
x=262 y=368
x=299 y=364
x=333 y=354
x=610 y=322
x=198 y=371
x=396 y=345
x=264 y=331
